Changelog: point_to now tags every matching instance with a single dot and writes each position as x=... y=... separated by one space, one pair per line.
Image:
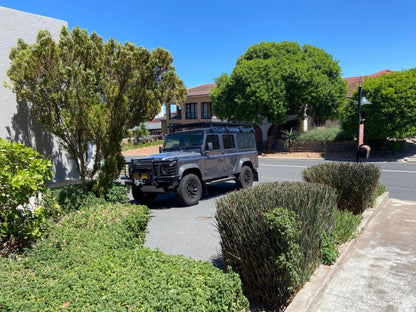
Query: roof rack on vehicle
x=213 y=124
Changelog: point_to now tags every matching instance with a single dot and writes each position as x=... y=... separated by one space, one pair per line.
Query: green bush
x=355 y=182
x=326 y=134
x=93 y=260
x=24 y=201
x=76 y=196
x=345 y=225
x=271 y=236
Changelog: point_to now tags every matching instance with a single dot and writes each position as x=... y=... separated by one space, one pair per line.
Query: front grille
x=142 y=170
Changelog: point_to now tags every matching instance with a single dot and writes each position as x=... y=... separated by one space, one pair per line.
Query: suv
x=191 y=160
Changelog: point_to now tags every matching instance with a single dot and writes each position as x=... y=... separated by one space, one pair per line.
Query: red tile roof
x=354 y=81
x=201 y=89
x=204 y=89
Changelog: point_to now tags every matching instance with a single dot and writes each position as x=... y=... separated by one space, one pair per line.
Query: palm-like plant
x=290 y=137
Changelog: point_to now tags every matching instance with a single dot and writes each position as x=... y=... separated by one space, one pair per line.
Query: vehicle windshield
x=185 y=140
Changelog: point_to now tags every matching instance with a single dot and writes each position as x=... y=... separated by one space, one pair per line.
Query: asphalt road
x=191 y=231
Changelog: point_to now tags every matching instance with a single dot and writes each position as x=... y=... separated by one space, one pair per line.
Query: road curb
x=410 y=160
x=310 y=294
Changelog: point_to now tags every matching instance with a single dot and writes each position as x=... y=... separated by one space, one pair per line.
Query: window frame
x=191 y=111
x=206 y=110
x=226 y=146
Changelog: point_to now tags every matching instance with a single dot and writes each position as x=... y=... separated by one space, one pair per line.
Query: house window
x=175 y=112
x=191 y=112
x=206 y=110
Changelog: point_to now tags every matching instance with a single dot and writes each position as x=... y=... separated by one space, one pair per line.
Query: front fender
x=186 y=167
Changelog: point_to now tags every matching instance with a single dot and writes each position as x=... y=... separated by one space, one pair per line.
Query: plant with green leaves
x=355 y=182
x=271 y=236
x=76 y=196
x=273 y=79
x=93 y=260
x=87 y=91
x=393 y=109
x=23 y=197
x=324 y=135
x=140 y=131
x=290 y=137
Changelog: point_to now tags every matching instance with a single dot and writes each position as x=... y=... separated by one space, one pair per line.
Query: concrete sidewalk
x=375 y=272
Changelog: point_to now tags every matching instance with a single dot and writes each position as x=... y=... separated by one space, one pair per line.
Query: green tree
x=141 y=131
x=393 y=110
x=89 y=92
x=273 y=79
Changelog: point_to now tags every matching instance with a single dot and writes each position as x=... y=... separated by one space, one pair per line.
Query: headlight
x=166 y=169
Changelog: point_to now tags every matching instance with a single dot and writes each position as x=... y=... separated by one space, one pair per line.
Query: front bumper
x=156 y=185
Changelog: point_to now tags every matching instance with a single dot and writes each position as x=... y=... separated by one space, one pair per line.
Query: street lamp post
x=360 y=126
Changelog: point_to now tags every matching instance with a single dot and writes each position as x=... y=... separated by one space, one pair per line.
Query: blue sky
x=206 y=37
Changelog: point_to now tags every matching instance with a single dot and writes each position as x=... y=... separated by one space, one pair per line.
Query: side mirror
x=210 y=146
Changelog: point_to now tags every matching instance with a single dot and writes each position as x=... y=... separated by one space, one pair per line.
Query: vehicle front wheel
x=141 y=197
x=189 y=191
x=245 y=178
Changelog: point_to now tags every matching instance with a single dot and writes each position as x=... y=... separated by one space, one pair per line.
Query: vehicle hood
x=169 y=156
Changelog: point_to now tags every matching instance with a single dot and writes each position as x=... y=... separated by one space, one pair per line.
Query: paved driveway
x=189 y=231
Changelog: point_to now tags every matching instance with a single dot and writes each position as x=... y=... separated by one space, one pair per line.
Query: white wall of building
x=16 y=122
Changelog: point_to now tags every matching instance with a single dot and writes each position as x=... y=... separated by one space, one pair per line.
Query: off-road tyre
x=141 y=197
x=189 y=191
x=245 y=178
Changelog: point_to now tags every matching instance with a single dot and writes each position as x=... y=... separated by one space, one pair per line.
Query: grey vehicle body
x=190 y=160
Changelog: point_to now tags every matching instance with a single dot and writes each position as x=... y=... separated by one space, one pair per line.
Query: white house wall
x=16 y=122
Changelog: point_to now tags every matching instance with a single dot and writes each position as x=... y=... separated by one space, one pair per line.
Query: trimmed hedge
x=325 y=134
x=355 y=182
x=93 y=260
x=271 y=236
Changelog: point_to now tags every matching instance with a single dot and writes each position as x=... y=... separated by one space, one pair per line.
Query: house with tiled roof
x=353 y=82
x=198 y=108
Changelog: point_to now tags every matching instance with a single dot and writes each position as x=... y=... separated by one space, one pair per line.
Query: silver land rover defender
x=190 y=160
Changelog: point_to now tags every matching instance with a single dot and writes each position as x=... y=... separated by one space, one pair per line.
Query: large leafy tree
x=87 y=92
x=393 y=110
x=273 y=79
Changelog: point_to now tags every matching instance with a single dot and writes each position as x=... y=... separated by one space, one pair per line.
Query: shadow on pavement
x=169 y=200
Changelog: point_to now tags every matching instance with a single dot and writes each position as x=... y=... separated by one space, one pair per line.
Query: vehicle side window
x=246 y=140
x=214 y=140
x=228 y=141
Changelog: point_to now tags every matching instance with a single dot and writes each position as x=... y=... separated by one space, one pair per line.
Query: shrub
x=290 y=137
x=345 y=225
x=326 y=134
x=329 y=250
x=24 y=203
x=76 y=196
x=355 y=182
x=270 y=235
x=93 y=260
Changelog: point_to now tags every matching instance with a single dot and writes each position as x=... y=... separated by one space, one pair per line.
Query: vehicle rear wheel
x=189 y=191
x=141 y=197
x=245 y=178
